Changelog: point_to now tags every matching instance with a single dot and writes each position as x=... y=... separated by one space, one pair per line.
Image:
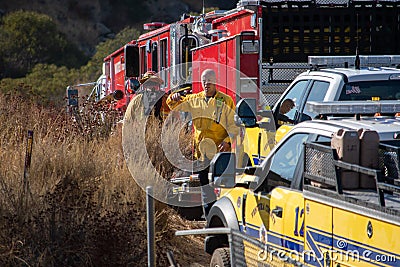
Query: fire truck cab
x=118 y=68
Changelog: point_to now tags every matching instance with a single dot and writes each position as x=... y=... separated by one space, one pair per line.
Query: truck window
x=369 y=90
x=163 y=53
x=317 y=93
x=164 y=60
x=154 y=56
x=324 y=139
x=296 y=93
x=186 y=45
x=143 y=59
x=285 y=159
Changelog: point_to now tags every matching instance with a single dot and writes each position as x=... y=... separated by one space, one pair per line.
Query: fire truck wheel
x=220 y=258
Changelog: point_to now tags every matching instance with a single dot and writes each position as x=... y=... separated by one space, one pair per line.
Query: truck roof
x=354 y=75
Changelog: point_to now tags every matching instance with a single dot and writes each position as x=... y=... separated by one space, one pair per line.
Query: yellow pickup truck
x=307 y=204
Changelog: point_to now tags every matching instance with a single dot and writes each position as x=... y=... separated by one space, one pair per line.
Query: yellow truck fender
x=222 y=214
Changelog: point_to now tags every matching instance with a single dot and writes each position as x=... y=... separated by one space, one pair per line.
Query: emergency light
x=353 y=107
x=153 y=25
x=348 y=61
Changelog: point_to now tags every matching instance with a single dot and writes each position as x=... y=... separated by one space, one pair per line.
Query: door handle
x=278 y=211
x=244 y=211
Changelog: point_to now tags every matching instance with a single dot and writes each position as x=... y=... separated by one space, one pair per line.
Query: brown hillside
x=87 y=23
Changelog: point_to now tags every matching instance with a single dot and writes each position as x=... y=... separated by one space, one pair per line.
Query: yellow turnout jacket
x=212 y=120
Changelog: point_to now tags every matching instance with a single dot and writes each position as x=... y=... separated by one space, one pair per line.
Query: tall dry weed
x=82 y=208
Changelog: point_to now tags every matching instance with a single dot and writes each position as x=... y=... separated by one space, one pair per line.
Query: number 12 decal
x=299 y=219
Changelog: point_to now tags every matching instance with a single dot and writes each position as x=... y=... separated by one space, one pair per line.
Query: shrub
x=28 y=38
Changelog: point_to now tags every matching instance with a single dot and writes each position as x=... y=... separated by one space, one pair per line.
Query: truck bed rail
x=323 y=169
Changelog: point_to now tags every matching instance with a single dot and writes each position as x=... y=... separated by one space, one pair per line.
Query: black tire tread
x=221 y=256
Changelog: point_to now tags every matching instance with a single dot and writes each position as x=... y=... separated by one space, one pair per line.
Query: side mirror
x=266 y=113
x=131 y=61
x=223 y=170
x=246 y=113
x=304 y=117
x=268 y=121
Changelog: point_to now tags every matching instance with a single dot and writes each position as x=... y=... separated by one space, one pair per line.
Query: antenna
x=357 y=61
x=357 y=29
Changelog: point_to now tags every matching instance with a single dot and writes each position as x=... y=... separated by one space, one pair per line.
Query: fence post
x=150 y=226
x=171 y=259
x=27 y=165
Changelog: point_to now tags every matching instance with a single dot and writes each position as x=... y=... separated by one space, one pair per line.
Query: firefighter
x=149 y=99
x=214 y=128
x=286 y=106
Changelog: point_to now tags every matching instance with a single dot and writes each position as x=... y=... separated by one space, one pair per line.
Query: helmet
x=151 y=76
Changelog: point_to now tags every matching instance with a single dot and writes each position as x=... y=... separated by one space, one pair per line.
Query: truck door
x=286 y=221
x=286 y=232
x=317 y=92
x=317 y=233
x=300 y=227
x=300 y=93
x=255 y=214
x=318 y=223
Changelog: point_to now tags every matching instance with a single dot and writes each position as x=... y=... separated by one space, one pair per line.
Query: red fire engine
x=251 y=42
x=118 y=68
x=180 y=51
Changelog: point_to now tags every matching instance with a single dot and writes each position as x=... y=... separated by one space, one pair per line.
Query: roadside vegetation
x=80 y=207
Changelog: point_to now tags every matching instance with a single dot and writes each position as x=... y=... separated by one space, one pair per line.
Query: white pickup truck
x=330 y=79
x=341 y=84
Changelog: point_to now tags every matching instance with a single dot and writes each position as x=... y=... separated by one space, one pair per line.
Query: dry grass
x=82 y=207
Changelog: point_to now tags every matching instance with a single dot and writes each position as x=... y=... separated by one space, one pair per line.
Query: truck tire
x=220 y=258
